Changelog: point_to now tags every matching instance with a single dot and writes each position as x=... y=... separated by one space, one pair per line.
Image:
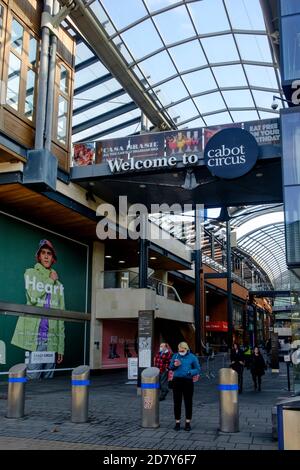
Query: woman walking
x=237 y=363
x=258 y=366
x=186 y=368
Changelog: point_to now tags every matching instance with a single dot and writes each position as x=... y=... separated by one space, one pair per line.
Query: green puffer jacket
x=38 y=284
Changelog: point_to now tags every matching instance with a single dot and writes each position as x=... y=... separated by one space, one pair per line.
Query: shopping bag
x=170 y=378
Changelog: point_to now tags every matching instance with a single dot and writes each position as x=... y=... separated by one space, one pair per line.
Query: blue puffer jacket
x=188 y=368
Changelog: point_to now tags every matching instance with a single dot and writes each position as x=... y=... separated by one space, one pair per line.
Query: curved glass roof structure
x=260 y=239
x=197 y=63
x=198 y=68
x=261 y=234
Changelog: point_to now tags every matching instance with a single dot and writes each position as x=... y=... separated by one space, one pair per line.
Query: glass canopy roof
x=203 y=62
x=261 y=234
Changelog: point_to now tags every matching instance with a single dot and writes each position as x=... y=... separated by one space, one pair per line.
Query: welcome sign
x=231 y=150
x=231 y=153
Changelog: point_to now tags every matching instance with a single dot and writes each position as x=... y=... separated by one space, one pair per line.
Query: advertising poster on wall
x=41 y=273
x=184 y=142
x=209 y=132
x=142 y=146
x=266 y=132
x=119 y=343
x=84 y=154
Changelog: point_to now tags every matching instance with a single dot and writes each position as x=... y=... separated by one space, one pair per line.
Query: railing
x=211 y=364
x=222 y=269
x=119 y=279
x=163 y=289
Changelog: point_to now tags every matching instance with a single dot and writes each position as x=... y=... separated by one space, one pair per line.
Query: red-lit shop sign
x=216 y=326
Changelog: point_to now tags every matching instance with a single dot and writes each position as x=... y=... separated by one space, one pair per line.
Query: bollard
x=80 y=394
x=150 y=397
x=229 y=405
x=16 y=391
x=274 y=423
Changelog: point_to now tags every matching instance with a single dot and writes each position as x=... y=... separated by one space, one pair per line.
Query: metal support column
x=42 y=82
x=198 y=263
x=212 y=241
x=229 y=290
x=143 y=263
x=51 y=84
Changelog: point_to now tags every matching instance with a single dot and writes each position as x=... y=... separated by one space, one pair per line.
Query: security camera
x=274 y=104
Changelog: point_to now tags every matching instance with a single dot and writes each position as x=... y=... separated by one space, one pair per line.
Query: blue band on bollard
x=149 y=385
x=228 y=387
x=17 y=379
x=280 y=428
x=80 y=383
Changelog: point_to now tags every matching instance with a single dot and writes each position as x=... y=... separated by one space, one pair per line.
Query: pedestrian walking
x=237 y=363
x=162 y=362
x=247 y=356
x=186 y=370
x=257 y=368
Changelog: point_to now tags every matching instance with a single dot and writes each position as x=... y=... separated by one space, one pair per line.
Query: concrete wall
x=123 y=303
x=126 y=303
x=172 y=310
x=96 y=325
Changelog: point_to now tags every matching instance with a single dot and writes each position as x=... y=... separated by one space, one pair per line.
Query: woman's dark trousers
x=183 y=388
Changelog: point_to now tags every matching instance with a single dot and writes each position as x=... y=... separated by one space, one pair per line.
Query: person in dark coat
x=257 y=368
x=237 y=363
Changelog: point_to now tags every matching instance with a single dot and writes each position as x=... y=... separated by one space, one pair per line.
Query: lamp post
x=197 y=267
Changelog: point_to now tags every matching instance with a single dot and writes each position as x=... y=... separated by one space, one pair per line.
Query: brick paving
x=115 y=417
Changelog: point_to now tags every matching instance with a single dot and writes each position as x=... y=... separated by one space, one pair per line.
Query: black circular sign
x=231 y=153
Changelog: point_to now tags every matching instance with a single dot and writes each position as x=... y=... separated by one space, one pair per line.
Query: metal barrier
x=150 y=397
x=210 y=365
x=16 y=391
x=229 y=404
x=80 y=394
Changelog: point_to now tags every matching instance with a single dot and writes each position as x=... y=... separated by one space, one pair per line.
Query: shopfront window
x=32 y=51
x=62 y=105
x=22 y=70
x=64 y=79
x=13 y=82
x=17 y=33
x=1 y=19
x=29 y=99
x=62 y=120
x=237 y=316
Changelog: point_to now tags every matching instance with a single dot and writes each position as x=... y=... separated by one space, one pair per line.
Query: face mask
x=183 y=353
x=161 y=350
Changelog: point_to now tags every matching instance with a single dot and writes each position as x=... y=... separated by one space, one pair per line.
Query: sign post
x=145 y=341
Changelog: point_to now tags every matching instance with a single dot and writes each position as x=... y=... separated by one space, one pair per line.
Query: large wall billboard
x=44 y=270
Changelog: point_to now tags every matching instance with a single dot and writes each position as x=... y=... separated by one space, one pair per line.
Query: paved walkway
x=115 y=417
